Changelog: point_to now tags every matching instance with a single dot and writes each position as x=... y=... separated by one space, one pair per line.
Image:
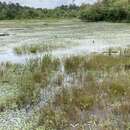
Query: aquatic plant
x=35 y=48
x=98 y=62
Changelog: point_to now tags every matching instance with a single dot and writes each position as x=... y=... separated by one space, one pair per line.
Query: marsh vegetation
x=97 y=96
x=84 y=86
x=28 y=79
x=93 y=90
x=36 y=48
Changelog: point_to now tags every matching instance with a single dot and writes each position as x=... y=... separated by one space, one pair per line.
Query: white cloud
x=47 y=3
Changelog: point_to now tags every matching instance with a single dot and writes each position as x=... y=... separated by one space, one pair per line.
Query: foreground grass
x=28 y=80
x=94 y=93
x=98 y=96
x=96 y=105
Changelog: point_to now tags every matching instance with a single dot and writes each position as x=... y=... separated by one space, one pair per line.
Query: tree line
x=16 y=11
x=105 y=10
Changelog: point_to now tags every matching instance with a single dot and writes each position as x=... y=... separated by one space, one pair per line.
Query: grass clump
x=117 y=89
x=36 y=48
x=85 y=102
x=101 y=62
x=52 y=120
x=33 y=49
x=73 y=64
x=25 y=49
x=98 y=62
x=17 y=50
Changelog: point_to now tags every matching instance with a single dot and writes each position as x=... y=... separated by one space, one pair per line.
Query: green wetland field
x=64 y=75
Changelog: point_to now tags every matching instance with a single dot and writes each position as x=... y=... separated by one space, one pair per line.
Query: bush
x=105 y=11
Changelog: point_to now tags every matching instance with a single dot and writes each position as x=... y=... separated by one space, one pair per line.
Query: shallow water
x=78 y=37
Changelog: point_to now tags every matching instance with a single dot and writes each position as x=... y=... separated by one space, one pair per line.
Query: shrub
x=106 y=11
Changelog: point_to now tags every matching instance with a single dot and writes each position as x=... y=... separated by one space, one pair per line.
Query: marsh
x=45 y=62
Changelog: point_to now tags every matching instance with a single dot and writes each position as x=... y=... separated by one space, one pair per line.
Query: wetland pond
x=77 y=37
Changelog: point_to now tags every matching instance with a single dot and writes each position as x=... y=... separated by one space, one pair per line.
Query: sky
x=47 y=3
